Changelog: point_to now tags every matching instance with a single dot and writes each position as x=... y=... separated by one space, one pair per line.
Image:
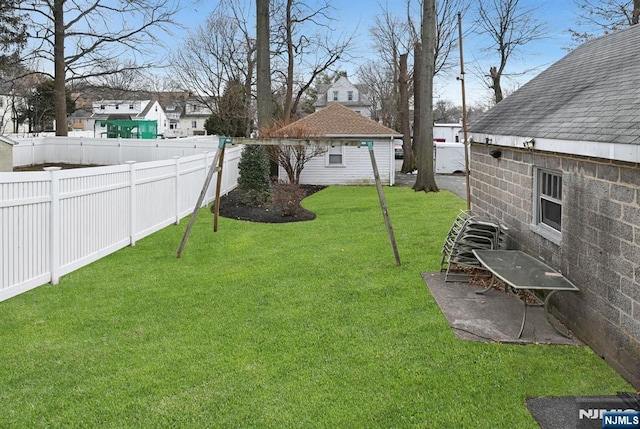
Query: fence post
x=54 y=224
x=177 y=189
x=206 y=169
x=132 y=203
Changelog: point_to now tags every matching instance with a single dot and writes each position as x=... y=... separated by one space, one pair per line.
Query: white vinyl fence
x=56 y=221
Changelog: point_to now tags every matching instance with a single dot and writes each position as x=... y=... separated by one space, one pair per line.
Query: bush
x=286 y=197
x=254 y=184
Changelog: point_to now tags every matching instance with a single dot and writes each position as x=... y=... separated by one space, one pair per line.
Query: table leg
x=482 y=292
x=524 y=318
x=548 y=316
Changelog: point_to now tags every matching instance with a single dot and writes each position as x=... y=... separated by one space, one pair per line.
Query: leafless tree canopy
x=510 y=26
x=97 y=33
x=82 y=38
x=306 y=44
x=221 y=51
x=600 y=17
x=394 y=35
x=377 y=77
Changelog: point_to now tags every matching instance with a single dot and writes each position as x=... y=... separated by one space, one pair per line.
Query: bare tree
x=377 y=77
x=80 y=37
x=510 y=27
x=119 y=85
x=425 y=180
x=218 y=54
x=392 y=37
x=307 y=45
x=446 y=31
x=445 y=111
x=292 y=158
x=602 y=17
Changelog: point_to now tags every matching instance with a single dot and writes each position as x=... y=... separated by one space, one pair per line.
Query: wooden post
x=464 y=116
x=207 y=182
x=216 y=204
x=383 y=203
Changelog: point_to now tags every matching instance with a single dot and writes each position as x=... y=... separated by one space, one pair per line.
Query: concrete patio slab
x=492 y=317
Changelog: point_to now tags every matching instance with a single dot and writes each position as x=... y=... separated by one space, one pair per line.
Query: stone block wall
x=600 y=246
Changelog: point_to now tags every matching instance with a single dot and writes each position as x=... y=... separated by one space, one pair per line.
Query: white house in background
x=344 y=165
x=128 y=109
x=174 y=110
x=193 y=116
x=346 y=93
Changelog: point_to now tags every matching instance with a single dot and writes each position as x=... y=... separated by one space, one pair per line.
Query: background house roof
x=592 y=94
x=335 y=120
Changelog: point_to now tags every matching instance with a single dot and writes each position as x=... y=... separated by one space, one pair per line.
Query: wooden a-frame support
x=216 y=166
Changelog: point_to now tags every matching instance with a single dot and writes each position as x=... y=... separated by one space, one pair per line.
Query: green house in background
x=129 y=128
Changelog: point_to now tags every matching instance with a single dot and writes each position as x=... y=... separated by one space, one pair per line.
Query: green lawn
x=298 y=325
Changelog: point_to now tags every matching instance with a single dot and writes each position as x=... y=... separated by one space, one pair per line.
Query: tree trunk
x=417 y=105
x=248 y=85
x=288 y=101
x=263 y=67
x=404 y=115
x=425 y=180
x=60 y=99
x=636 y=12
x=495 y=84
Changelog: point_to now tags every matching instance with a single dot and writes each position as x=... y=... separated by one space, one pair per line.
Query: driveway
x=455 y=183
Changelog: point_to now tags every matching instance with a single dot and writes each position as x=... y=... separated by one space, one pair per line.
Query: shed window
x=350 y=95
x=335 y=95
x=335 y=156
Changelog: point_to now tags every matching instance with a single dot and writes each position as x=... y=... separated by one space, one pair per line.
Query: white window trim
x=335 y=165
x=537 y=226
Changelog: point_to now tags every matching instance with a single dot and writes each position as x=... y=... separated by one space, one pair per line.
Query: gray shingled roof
x=592 y=94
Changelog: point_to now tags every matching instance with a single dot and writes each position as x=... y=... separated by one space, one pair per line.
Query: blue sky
x=360 y=16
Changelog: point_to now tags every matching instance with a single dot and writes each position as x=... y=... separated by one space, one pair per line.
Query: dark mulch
x=232 y=207
x=62 y=165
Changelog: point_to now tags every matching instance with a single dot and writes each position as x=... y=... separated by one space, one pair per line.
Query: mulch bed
x=231 y=206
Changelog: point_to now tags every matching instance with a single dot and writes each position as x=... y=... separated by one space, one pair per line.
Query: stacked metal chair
x=467 y=233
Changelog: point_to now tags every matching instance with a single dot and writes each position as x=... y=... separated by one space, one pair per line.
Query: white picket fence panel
x=89 y=150
x=54 y=222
